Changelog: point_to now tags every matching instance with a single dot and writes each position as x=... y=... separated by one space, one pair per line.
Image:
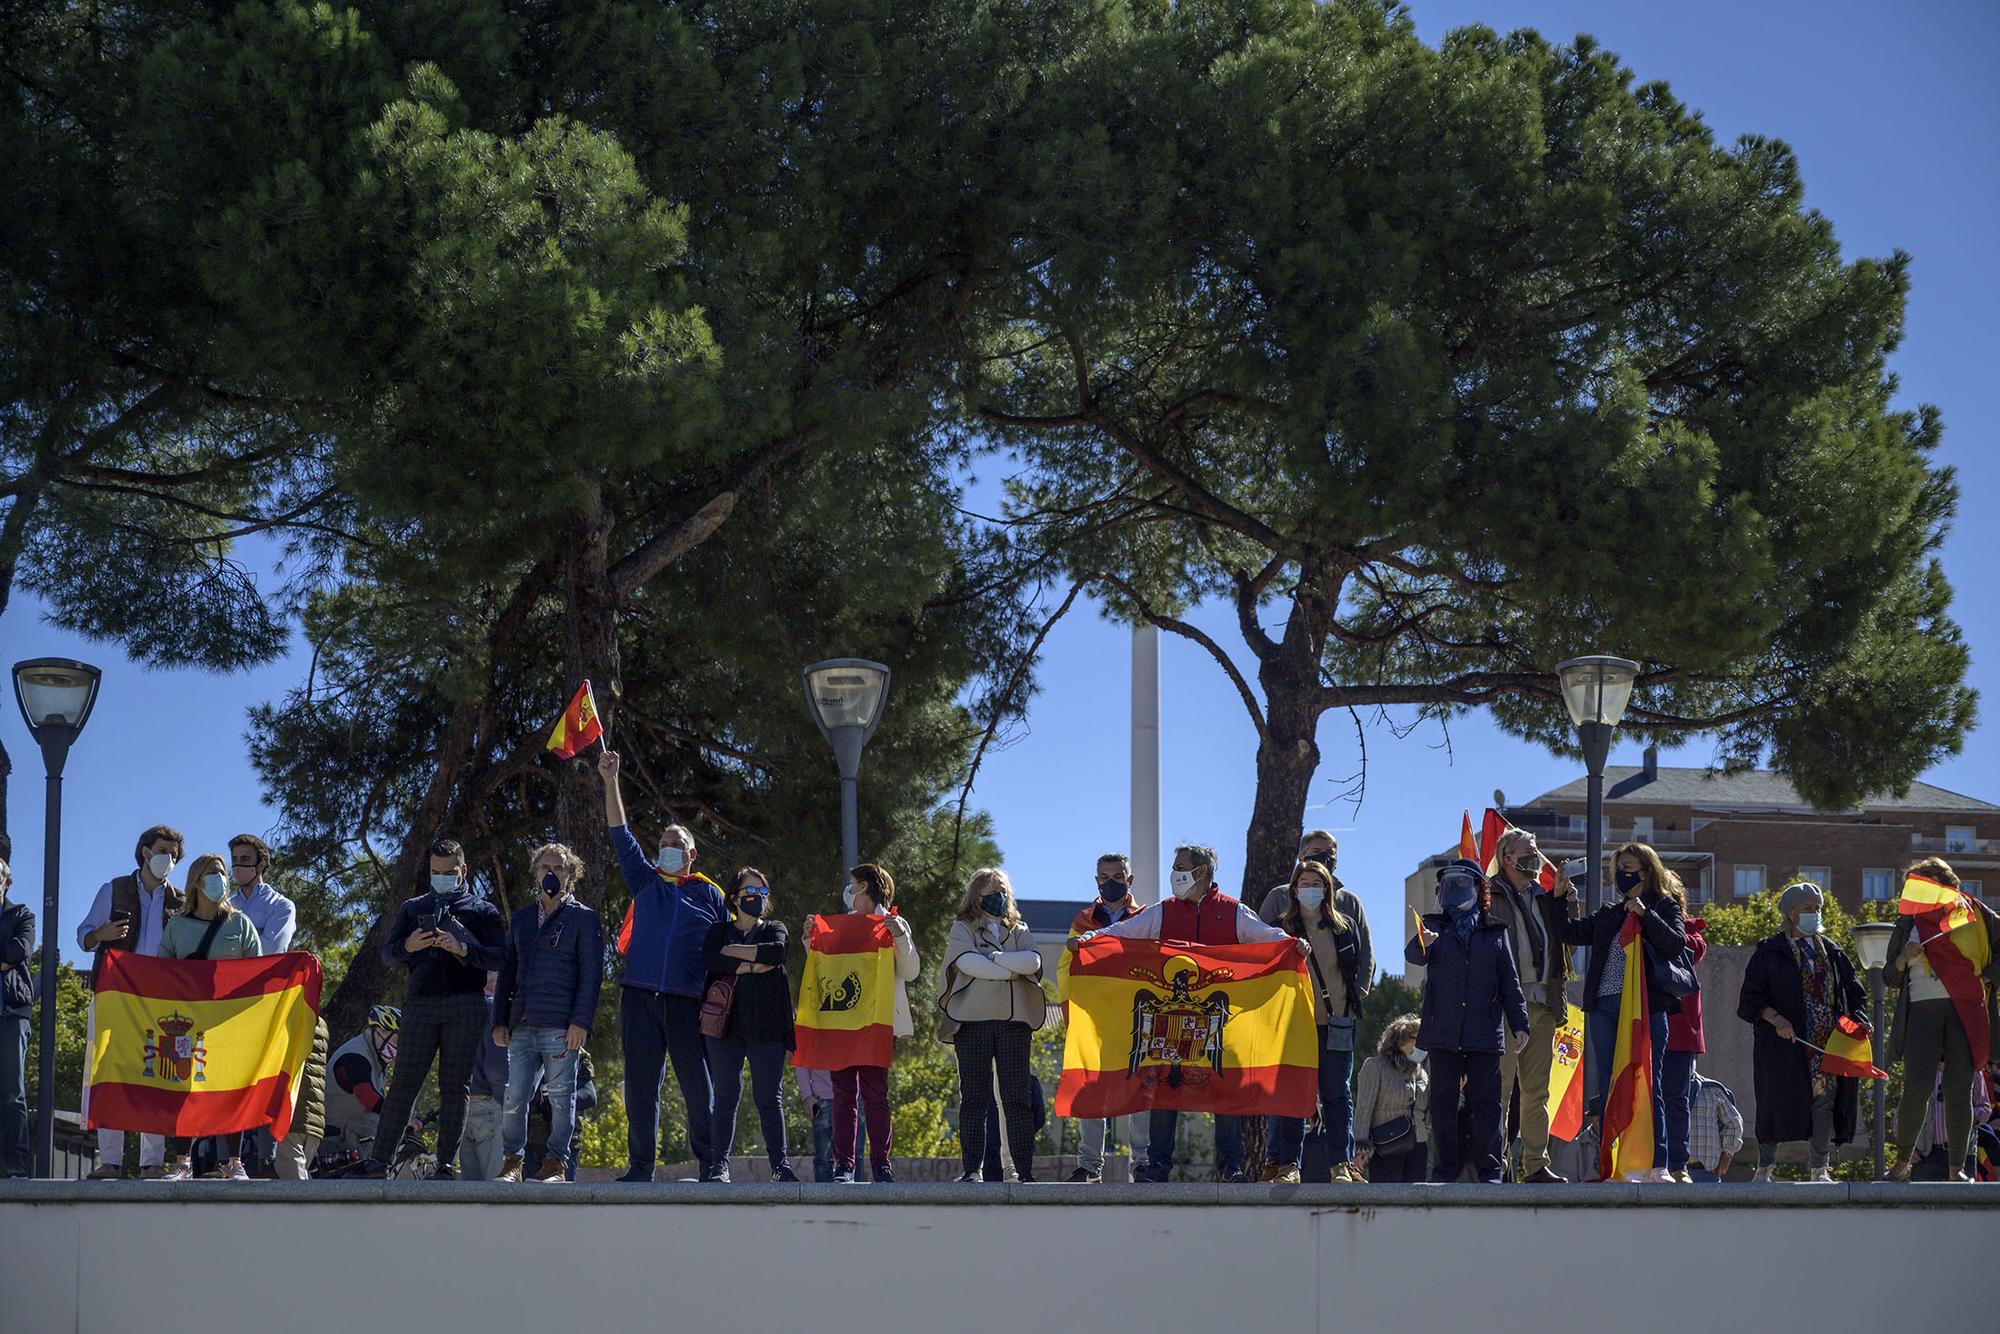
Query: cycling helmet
x=385 y=1018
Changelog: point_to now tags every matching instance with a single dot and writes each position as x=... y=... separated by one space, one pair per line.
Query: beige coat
x=908 y=965
x=969 y=999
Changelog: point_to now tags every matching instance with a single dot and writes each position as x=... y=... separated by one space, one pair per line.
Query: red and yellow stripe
x=1627 y=1138
x=847 y=998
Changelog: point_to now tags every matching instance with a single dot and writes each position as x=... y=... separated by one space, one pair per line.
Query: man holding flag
x=1521 y=879
x=1941 y=962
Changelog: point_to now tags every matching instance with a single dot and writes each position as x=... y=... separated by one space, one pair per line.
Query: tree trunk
x=590 y=653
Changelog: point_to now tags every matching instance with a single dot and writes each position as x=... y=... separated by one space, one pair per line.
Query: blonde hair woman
x=208 y=926
x=1332 y=969
x=992 y=996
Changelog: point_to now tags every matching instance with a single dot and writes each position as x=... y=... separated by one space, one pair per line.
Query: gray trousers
x=1820 y=1146
x=479 y=1151
x=1091 y=1134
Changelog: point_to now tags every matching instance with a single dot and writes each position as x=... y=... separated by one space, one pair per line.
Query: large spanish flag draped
x=1958 y=950
x=847 y=999
x=199 y=1047
x=1626 y=1144
x=1197 y=1028
x=1566 y=1078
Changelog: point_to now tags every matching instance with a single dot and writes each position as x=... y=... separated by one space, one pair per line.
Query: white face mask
x=161 y=864
x=444 y=884
x=847 y=897
x=1311 y=896
x=1183 y=883
x=673 y=860
x=1418 y=1053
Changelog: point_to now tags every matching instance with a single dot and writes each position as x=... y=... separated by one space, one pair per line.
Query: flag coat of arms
x=1196 y=1028
x=199 y=1047
x=1566 y=1078
x=847 y=998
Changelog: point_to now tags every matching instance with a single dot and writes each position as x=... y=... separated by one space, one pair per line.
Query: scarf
x=1816 y=979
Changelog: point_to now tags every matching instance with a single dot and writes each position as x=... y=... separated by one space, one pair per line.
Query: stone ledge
x=1865 y=1195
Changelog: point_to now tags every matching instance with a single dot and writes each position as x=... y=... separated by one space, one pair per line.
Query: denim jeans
x=1600 y=1045
x=822 y=1121
x=14 y=1158
x=1161 y=1130
x=543 y=1052
x=1336 y=1109
x=1676 y=1073
x=767 y=1091
x=1091 y=1134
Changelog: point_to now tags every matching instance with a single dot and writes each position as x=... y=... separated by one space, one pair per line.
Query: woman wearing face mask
x=1796 y=985
x=1392 y=1106
x=991 y=989
x=1649 y=891
x=750 y=948
x=208 y=926
x=1331 y=968
x=863 y=1090
x=1472 y=1004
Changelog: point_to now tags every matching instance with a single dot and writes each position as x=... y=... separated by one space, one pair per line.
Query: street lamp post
x=1596 y=690
x=56 y=696
x=1871 y=950
x=846 y=697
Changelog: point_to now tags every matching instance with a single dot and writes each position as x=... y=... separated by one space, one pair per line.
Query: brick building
x=1731 y=836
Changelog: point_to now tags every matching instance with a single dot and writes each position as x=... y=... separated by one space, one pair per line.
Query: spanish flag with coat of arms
x=1196 y=1028
x=847 y=998
x=199 y=1047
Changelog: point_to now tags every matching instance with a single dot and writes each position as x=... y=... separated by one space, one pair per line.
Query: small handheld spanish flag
x=1847 y=1052
x=578 y=726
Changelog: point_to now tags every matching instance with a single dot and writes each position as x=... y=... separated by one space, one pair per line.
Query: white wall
x=600 y=1258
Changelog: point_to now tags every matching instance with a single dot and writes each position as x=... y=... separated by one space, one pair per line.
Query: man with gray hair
x=17 y=1003
x=1198 y=913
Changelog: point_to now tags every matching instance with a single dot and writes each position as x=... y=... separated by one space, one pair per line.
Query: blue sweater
x=670 y=921
x=553 y=969
x=1472 y=993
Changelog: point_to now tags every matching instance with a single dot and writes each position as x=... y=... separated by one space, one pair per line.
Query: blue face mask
x=1111 y=891
x=993 y=903
x=551 y=884
x=444 y=886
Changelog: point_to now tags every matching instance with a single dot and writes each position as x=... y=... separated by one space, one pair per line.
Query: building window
x=1960 y=838
x=1878 y=884
x=1577 y=825
x=1972 y=887
x=1749 y=881
x=1819 y=875
x=1642 y=829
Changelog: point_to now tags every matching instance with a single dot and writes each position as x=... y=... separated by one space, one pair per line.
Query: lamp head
x=1597 y=688
x=56 y=696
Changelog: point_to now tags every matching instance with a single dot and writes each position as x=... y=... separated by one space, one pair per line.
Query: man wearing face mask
x=1114 y=903
x=130 y=913
x=1533 y=919
x=544 y=1006
x=1198 y=913
x=659 y=1005
x=1796 y=985
x=17 y=1004
x=270 y=912
x=449 y=939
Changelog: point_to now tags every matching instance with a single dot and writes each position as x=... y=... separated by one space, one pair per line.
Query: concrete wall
x=209 y=1257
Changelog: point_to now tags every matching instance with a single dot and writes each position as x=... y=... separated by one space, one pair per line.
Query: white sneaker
x=178 y=1172
x=237 y=1171
x=1761 y=1177
x=1822 y=1176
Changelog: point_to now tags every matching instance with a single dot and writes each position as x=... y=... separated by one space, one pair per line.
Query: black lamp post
x=56 y=696
x=1596 y=690
x=846 y=696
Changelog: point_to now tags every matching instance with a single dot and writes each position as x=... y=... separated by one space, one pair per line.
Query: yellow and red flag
x=1468 y=846
x=1566 y=1078
x=1491 y=827
x=1626 y=1143
x=847 y=999
x=199 y=1047
x=1958 y=950
x=1195 y=1028
x=578 y=726
x=1848 y=1052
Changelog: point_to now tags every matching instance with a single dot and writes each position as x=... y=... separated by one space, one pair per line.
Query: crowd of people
x=503 y=1008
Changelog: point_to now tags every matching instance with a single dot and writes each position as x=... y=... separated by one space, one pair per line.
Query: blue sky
x=1895 y=117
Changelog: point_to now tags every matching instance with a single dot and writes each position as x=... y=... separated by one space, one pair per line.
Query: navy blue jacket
x=1472 y=993
x=552 y=971
x=17 y=943
x=670 y=921
x=475 y=924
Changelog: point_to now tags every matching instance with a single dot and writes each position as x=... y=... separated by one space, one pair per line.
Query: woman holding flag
x=1799 y=990
x=1941 y=962
x=208 y=926
x=1652 y=896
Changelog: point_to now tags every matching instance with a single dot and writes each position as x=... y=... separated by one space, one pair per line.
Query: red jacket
x=1684 y=1029
x=1088 y=920
x=1210 y=920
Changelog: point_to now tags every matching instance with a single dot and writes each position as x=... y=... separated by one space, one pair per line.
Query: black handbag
x=1396 y=1135
x=1672 y=977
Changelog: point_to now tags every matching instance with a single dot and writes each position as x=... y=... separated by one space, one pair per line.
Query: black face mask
x=1111 y=891
x=1627 y=881
x=752 y=905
